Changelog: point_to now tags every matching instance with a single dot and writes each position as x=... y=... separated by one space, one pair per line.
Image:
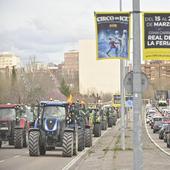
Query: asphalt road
x=19 y=159
x=155 y=137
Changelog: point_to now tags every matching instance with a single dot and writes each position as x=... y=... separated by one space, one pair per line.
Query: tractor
x=104 y=120
x=111 y=115
x=95 y=121
x=55 y=126
x=84 y=128
x=14 y=125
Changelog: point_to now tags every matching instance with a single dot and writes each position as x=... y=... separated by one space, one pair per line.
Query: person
x=112 y=46
x=114 y=43
x=124 y=46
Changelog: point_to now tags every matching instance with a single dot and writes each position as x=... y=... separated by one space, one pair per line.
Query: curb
x=167 y=153
x=74 y=162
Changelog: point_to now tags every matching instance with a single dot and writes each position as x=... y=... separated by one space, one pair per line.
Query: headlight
x=3 y=128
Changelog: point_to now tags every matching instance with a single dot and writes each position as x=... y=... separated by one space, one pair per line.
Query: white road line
x=77 y=158
x=167 y=153
x=16 y=156
x=2 y=161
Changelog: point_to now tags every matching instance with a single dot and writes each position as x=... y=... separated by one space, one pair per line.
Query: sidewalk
x=107 y=153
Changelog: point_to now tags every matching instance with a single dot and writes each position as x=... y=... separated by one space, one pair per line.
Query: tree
x=64 y=88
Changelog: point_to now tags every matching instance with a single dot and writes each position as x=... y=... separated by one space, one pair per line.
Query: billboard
x=112 y=32
x=156 y=36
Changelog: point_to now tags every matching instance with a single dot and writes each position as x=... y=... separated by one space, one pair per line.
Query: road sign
x=128 y=82
x=129 y=103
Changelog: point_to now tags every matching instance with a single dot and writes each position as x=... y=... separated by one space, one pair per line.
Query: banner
x=156 y=36
x=112 y=32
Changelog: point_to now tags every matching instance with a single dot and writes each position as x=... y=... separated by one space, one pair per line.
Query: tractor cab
x=12 y=122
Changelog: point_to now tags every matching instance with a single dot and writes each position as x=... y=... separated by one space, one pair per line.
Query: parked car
x=167 y=131
x=162 y=130
x=157 y=126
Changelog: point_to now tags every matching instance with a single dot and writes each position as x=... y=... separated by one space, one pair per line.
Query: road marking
x=2 y=161
x=77 y=158
x=167 y=153
x=16 y=156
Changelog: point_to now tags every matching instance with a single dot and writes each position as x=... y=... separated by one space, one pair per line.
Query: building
x=70 y=70
x=97 y=75
x=8 y=60
x=157 y=69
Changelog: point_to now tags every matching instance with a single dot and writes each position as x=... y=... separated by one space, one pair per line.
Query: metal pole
x=122 y=74
x=137 y=94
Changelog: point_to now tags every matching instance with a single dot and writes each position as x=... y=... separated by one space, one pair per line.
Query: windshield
x=54 y=111
x=7 y=114
x=157 y=119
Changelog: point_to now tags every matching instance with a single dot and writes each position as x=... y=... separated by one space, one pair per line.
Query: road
x=155 y=138
x=19 y=159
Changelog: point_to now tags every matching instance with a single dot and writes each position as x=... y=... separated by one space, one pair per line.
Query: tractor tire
x=88 y=138
x=34 y=143
x=103 y=125
x=18 y=138
x=114 y=122
x=68 y=141
x=97 y=130
x=42 y=150
x=165 y=140
x=11 y=141
x=110 y=122
x=0 y=144
x=24 y=138
x=168 y=145
x=75 y=145
x=81 y=140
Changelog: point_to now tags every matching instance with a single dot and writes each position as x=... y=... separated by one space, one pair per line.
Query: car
x=155 y=118
x=157 y=126
x=167 y=131
x=162 y=130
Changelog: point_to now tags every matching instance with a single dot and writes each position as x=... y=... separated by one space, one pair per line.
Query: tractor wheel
x=34 y=143
x=88 y=138
x=0 y=144
x=24 y=138
x=168 y=145
x=68 y=144
x=110 y=122
x=18 y=138
x=11 y=141
x=104 y=125
x=42 y=150
x=114 y=122
x=81 y=140
x=97 y=130
x=75 y=146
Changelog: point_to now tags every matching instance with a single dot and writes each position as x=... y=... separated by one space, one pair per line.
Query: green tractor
x=111 y=115
x=104 y=120
x=84 y=128
x=95 y=120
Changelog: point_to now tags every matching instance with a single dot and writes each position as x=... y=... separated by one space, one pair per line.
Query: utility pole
x=122 y=75
x=137 y=90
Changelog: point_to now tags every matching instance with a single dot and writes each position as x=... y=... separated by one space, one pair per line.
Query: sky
x=48 y=28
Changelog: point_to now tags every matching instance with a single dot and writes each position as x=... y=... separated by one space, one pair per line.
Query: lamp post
x=137 y=90
x=122 y=75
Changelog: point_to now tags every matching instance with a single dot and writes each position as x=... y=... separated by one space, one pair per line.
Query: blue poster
x=112 y=32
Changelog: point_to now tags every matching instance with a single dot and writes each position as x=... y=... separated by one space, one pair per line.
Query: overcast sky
x=48 y=28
